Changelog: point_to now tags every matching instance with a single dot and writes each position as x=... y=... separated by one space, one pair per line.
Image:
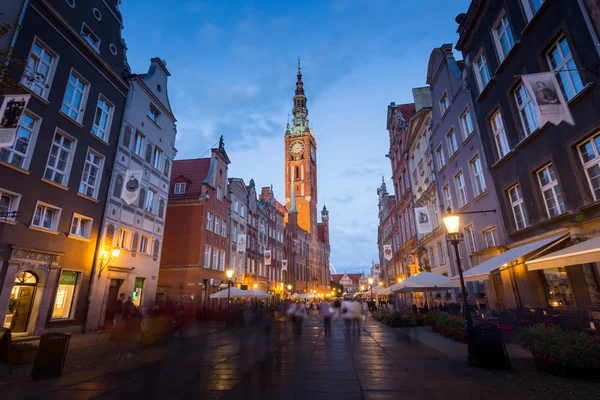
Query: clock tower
x=301 y=161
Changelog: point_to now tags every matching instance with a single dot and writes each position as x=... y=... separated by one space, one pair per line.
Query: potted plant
x=22 y=353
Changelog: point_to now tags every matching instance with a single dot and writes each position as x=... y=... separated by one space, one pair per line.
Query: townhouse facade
x=237 y=226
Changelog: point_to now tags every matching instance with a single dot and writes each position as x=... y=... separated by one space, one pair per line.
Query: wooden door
x=23 y=308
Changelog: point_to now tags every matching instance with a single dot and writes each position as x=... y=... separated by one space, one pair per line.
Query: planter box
x=554 y=369
x=22 y=357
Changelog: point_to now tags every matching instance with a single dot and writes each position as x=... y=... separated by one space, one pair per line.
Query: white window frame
x=145 y=241
x=499 y=134
x=500 y=30
x=10 y=153
x=490 y=233
x=452 y=142
x=530 y=12
x=71 y=152
x=224 y=227
x=157 y=157
x=477 y=175
x=138 y=145
x=526 y=108
x=209 y=221
x=242 y=211
x=569 y=81
x=481 y=71
x=235 y=206
x=217 y=224
x=207 y=253
x=461 y=189
x=219 y=193
x=179 y=188
x=74 y=302
x=517 y=204
x=470 y=239
x=466 y=124
x=76 y=221
x=151 y=196
x=85 y=185
x=80 y=111
x=222 y=260
x=124 y=238
x=441 y=253
x=55 y=221
x=154 y=114
x=215 y=258
x=553 y=188
x=40 y=88
x=432 y=257
x=594 y=161
x=90 y=37
x=234 y=233
x=447 y=197
x=97 y=130
x=444 y=103
x=13 y=205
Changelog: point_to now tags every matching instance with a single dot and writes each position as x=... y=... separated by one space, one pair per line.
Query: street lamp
x=289 y=287
x=370 y=280
x=107 y=257
x=452 y=224
x=229 y=274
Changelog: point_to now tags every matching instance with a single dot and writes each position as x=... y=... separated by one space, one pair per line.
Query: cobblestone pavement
x=248 y=364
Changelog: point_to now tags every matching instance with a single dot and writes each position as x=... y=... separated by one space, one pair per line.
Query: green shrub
x=450 y=325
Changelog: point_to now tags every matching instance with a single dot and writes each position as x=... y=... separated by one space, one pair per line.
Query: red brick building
x=196 y=245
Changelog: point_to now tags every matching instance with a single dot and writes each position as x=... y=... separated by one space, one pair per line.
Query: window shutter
x=161 y=208
x=148 y=152
x=118 y=188
x=127 y=137
x=142 y=198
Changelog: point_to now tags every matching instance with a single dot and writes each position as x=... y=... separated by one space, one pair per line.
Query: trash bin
x=488 y=346
x=51 y=355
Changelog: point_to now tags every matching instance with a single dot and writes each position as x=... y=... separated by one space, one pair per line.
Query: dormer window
x=90 y=37
x=154 y=114
x=179 y=188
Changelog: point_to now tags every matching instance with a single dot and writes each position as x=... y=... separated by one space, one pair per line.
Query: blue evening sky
x=233 y=66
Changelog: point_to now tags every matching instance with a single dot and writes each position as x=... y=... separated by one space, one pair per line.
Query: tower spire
x=300 y=123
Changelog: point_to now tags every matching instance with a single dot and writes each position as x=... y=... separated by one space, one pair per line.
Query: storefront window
x=560 y=292
x=137 y=291
x=63 y=305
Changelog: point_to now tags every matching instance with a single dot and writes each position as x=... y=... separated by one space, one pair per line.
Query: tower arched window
x=127 y=137
x=118 y=188
x=297 y=172
x=161 y=208
x=142 y=199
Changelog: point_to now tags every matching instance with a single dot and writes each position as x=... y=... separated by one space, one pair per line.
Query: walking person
x=326 y=312
x=357 y=315
x=118 y=309
x=346 y=313
x=299 y=318
x=127 y=307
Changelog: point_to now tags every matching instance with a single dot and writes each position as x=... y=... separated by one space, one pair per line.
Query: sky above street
x=234 y=64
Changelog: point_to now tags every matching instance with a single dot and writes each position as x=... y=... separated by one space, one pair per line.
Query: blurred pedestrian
x=127 y=308
x=118 y=309
x=346 y=314
x=326 y=312
x=357 y=315
x=299 y=319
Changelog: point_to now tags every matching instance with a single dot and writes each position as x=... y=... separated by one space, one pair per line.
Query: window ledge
x=530 y=136
x=58 y=185
x=590 y=206
x=98 y=138
x=463 y=208
x=503 y=159
x=465 y=140
x=31 y=92
x=8 y=221
x=521 y=231
x=135 y=155
x=154 y=122
x=87 y=197
x=441 y=170
x=480 y=196
x=485 y=90
x=580 y=94
x=71 y=119
x=35 y=228
x=18 y=169
x=446 y=112
x=552 y=220
x=81 y=238
x=534 y=19
x=61 y=320
x=508 y=57
x=453 y=156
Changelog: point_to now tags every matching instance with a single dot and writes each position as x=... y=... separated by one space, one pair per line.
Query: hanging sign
x=284 y=265
x=241 y=244
x=387 y=251
x=10 y=114
x=267 y=257
x=423 y=220
x=131 y=188
x=548 y=99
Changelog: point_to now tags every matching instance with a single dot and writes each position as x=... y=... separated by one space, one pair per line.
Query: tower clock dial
x=296 y=148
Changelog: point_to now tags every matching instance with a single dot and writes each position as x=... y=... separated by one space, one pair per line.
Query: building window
x=59 y=159
x=447 y=197
x=144 y=244
x=526 y=110
x=64 y=306
x=499 y=133
x=431 y=256
x=482 y=72
x=589 y=152
x=444 y=104
x=224 y=228
x=9 y=204
x=138 y=289
x=142 y=198
x=219 y=193
x=242 y=211
x=161 y=208
x=466 y=124
x=461 y=189
x=441 y=253
x=222 y=262
x=478 y=178
x=118 y=186
x=441 y=161
x=531 y=7
x=235 y=205
x=518 y=207
x=138 y=143
x=491 y=237
x=452 y=145
x=209 y=217
x=215 y=258
x=154 y=114
x=149 y=205
x=123 y=238
x=40 y=68
x=102 y=119
x=503 y=36
x=75 y=96
x=81 y=226
x=206 y=257
x=157 y=158
x=92 y=174
x=90 y=37
x=217 y=224
x=234 y=233
x=561 y=61
x=179 y=188
x=46 y=216
x=551 y=191
x=148 y=157
x=470 y=239
x=19 y=154
x=167 y=169
x=559 y=289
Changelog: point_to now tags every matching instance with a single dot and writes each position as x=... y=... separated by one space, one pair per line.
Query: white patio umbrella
x=309 y=295
x=423 y=282
x=379 y=290
x=258 y=294
x=235 y=292
x=297 y=296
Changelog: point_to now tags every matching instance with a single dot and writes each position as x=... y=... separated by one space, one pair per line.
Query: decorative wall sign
x=10 y=114
x=548 y=100
x=131 y=188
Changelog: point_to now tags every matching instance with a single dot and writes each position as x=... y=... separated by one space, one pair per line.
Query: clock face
x=296 y=148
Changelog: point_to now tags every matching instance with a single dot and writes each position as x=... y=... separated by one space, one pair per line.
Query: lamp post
x=229 y=274
x=370 y=280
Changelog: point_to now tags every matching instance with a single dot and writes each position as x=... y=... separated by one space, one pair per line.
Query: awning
x=482 y=271
x=424 y=281
x=581 y=253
